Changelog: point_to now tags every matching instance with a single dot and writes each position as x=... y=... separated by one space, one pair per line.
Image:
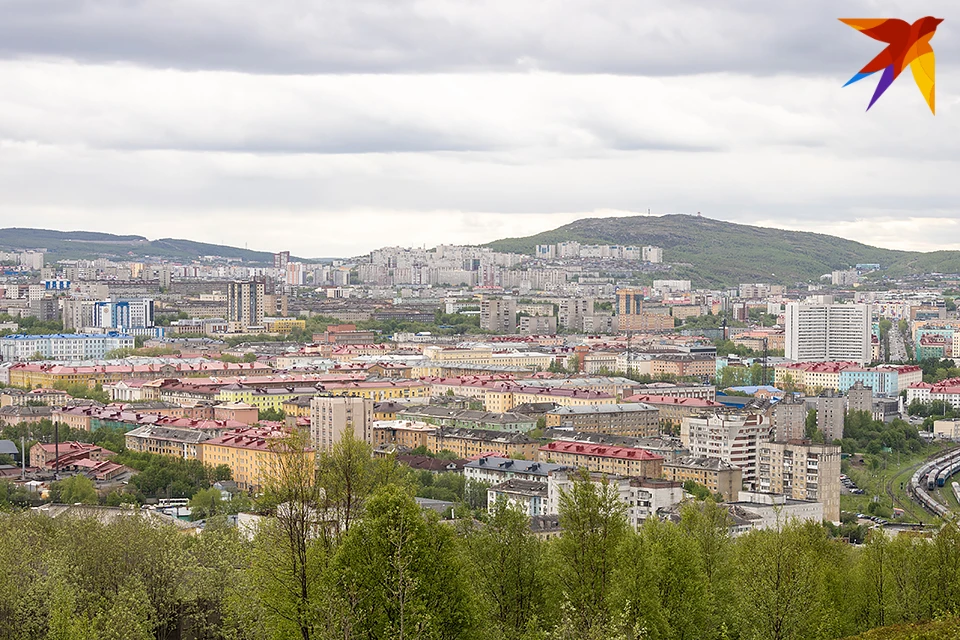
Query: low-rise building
x=668 y=447
x=947 y=429
x=469 y=443
x=169 y=441
x=713 y=473
x=643 y=498
x=251 y=454
x=469 y=419
x=495 y=469
x=769 y=511
x=15 y=414
x=626 y=461
x=529 y=495
x=627 y=419
x=62 y=346
x=402 y=433
x=673 y=409
x=21 y=398
x=57 y=456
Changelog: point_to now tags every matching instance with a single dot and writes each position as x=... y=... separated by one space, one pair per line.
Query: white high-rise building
x=828 y=332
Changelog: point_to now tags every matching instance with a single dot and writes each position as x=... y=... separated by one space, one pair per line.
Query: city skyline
x=393 y=124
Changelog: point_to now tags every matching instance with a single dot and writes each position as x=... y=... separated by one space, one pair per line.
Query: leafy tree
x=206 y=503
x=593 y=523
x=78 y=488
x=271 y=414
x=505 y=561
x=810 y=423
x=293 y=544
x=399 y=576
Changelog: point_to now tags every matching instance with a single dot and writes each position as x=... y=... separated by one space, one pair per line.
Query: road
x=898 y=350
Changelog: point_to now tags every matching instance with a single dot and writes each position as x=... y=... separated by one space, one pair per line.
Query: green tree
x=810 y=424
x=205 y=504
x=399 y=576
x=505 y=559
x=662 y=584
x=292 y=546
x=593 y=524
x=78 y=488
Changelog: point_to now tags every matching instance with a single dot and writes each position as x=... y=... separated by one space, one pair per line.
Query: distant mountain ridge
x=713 y=252
x=69 y=245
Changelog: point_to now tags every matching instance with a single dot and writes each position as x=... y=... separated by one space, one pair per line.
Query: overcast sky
x=334 y=127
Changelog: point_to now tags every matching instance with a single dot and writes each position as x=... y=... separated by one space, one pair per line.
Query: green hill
x=713 y=252
x=66 y=245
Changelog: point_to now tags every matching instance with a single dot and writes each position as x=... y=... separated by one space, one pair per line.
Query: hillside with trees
x=345 y=552
x=714 y=252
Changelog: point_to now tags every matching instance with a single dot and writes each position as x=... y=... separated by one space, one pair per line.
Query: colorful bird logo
x=906 y=44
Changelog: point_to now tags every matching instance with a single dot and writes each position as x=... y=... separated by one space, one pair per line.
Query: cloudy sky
x=331 y=127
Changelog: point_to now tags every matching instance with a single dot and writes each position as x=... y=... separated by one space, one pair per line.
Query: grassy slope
x=720 y=252
x=85 y=244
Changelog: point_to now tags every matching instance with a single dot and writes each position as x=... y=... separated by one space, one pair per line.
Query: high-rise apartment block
x=123 y=315
x=331 y=416
x=831 y=409
x=633 y=317
x=803 y=471
x=245 y=305
x=572 y=311
x=498 y=315
x=734 y=438
x=860 y=398
x=652 y=254
x=820 y=332
x=789 y=419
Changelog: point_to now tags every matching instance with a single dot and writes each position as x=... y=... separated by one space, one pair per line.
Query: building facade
x=245 y=305
x=804 y=471
x=734 y=438
x=331 y=416
x=713 y=473
x=823 y=332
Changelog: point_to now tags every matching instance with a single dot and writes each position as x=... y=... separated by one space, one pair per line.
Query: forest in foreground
x=348 y=554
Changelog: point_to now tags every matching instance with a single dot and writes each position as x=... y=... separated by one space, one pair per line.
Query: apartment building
x=713 y=473
x=822 y=332
x=168 y=441
x=789 y=419
x=674 y=409
x=626 y=461
x=331 y=416
x=831 y=410
x=530 y=496
x=572 y=311
x=643 y=498
x=498 y=315
x=495 y=469
x=63 y=346
x=803 y=471
x=734 y=438
x=409 y=434
x=469 y=443
x=633 y=317
x=251 y=454
x=628 y=419
x=245 y=305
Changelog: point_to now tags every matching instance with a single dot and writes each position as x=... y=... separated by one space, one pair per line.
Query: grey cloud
x=645 y=37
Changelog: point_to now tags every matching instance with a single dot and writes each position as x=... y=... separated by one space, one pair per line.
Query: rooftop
x=599 y=450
